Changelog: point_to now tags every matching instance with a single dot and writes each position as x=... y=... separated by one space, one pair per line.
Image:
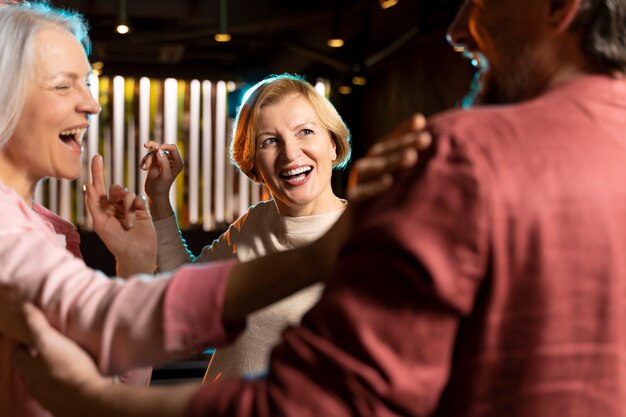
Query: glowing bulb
x=335 y=42
x=356 y=80
x=345 y=89
x=222 y=37
x=122 y=29
x=385 y=4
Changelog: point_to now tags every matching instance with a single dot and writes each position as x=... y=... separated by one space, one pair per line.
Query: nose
x=458 y=33
x=291 y=149
x=88 y=103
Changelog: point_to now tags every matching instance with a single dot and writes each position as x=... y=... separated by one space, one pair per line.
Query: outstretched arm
x=66 y=381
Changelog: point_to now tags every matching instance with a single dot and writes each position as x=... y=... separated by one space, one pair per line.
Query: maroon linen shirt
x=490 y=281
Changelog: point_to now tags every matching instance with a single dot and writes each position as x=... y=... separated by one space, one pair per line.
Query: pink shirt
x=123 y=324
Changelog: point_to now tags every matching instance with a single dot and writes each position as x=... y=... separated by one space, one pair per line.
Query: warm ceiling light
x=122 y=29
x=345 y=89
x=385 y=4
x=222 y=37
x=98 y=65
x=335 y=42
x=358 y=80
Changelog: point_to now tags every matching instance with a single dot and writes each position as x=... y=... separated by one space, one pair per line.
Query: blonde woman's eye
x=307 y=132
x=62 y=87
x=268 y=142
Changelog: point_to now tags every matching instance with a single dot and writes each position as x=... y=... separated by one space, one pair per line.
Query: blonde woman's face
x=47 y=141
x=294 y=156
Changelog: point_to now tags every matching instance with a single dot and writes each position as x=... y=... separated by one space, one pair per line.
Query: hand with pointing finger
x=123 y=222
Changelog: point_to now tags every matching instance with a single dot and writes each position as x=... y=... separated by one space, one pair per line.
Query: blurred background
x=175 y=71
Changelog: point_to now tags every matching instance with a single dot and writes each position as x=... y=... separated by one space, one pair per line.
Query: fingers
x=97 y=175
x=170 y=151
x=141 y=207
x=12 y=321
x=151 y=145
x=374 y=166
x=164 y=164
x=38 y=325
x=398 y=151
x=365 y=191
x=126 y=205
x=415 y=123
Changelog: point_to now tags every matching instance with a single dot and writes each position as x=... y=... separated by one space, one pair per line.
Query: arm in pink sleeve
x=122 y=324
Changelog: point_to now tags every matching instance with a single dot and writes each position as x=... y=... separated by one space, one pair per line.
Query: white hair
x=19 y=24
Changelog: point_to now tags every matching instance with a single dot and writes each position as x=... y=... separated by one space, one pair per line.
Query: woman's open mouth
x=296 y=176
x=73 y=137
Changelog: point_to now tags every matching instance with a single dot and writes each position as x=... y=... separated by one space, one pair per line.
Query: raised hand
x=163 y=163
x=397 y=151
x=123 y=222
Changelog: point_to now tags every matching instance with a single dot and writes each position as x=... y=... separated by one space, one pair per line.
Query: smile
x=73 y=134
x=296 y=175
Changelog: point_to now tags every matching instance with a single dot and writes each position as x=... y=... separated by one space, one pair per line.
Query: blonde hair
x=269 y=91
x=19 y=24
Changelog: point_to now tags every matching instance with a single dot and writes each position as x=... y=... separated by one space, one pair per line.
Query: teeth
x=73 y=132
x=296 y=171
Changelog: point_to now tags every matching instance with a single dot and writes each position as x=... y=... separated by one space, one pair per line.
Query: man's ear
x=563 y=13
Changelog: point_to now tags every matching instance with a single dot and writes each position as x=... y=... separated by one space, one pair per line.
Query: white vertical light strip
x=144 y=125
x=194 y=148
x=244 y=194
x=65 y=203
x=106 y=154
x=320 y=87
x=220 y=148
x=229 y=192
x=118 y=130
x=53 y=195
x=170 y=123
x=207 y=157
x=38 y=197
x=255 y=193
x=92 y=150
x=131 y=166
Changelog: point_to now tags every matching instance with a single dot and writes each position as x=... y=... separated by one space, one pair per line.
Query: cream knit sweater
x=260 y=231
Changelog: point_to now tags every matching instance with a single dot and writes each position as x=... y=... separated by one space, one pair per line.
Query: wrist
x=160 y=207
x=127 y=268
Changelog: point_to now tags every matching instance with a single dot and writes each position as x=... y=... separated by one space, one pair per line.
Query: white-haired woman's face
x=47 y=141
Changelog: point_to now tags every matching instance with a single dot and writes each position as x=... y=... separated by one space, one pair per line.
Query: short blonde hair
x=269 y=91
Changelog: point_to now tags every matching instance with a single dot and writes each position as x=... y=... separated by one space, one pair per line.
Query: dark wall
x=97 y=256
x=425 y=76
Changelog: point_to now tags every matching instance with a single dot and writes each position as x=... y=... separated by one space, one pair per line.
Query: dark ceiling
x=176 y=37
